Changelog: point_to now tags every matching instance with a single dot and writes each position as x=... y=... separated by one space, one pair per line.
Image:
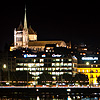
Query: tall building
x=25 y=37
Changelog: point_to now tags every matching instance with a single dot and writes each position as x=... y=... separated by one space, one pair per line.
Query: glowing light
x=29 y=55
x=89 y=58
x=43 y=55
x=54 y=55
x=4 y=66
x=87 y=63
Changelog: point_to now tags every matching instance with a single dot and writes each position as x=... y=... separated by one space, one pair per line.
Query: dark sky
x=76 y=22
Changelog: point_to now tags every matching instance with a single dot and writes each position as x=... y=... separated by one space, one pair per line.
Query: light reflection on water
x=38 y=98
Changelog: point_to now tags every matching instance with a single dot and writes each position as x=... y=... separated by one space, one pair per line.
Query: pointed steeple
x=25 y=20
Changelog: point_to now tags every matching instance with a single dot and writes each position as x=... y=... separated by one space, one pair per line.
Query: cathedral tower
x=21 y=35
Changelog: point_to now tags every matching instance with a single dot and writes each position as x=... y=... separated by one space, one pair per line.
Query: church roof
x=20 y=28
x=43 y=43
x=31 y=31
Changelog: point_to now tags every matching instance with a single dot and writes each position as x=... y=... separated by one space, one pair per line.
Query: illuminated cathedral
x=25 y=37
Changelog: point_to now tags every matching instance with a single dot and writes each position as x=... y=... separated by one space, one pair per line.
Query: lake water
x=38 y=98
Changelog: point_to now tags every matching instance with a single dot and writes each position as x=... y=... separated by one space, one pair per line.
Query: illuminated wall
x=55 y=65
x=92 y=73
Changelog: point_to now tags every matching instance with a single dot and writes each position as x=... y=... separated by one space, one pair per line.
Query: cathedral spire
x=25 y=20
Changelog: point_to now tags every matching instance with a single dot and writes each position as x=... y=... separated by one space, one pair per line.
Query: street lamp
x=87 y=63
x=4 y=66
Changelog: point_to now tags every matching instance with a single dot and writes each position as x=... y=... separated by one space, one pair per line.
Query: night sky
x=69 y=22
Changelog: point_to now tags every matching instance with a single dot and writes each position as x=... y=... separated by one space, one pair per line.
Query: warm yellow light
x=4 y=66
x=87 y=63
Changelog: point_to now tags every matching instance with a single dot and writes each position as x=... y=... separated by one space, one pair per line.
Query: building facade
x=55 y=64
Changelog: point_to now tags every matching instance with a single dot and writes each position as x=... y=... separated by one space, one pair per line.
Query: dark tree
x=44 y=78
x=81 y=78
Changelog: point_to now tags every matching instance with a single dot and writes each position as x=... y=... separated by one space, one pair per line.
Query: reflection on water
x=38 y=98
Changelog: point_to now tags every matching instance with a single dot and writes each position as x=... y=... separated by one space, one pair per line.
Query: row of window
x=43 y=60
x=42 y=64
x=52 y=73
x=42 y=69
x=88 y=71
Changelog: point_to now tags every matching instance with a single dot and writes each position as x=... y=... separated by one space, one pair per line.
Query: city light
x=29 y=55
x=4 y=66
x=56 y=55
x=87 y=63
x=89 y=58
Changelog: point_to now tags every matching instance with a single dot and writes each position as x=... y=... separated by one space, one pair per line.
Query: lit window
x=97 y=52
x=91 y=65
x=78 y=70
x=49 y=69
x=53 y=69
x=20 y=64
x=84 y=53
x=34 y=60
x=41 y=64
x=57 y=73
x=69 y=59
x=37 y=64
x=53 y=64
x=87 y=71
x=94 y=61
x=53 y=60
x=57 y=59
x=53 y=73
x=29 y=69
x=65 y=64
x=46 y=50
x=23 y=51
x=61 y=73
x=61 y=69
x=85 y=49
x=80 y=53
x=96 y=65
x=57 y=64
x=57 y=45
x=33 y=69
x=69 y=64
x=49 y=50
x=41 y=60
x=46 y=69
x=61 y=64
x=30 y=65
x=52 y=50
x=17 y=69
x=83 y=71
x=25 y=64
x=21 y=69
x=57 y=68
x=42 y=69
x=41 y=72
x=70 y=73
x=25 y=68
x=70 y=68
x=33 y=73
x=62 y=60
x=54 y=77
